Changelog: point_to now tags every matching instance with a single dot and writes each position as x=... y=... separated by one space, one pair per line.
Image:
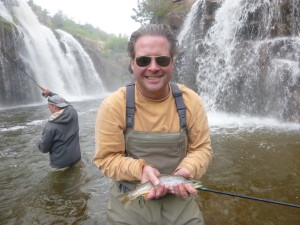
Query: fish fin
x=127 y=202
x=122 y=196
x=144 y=194
x=126 y=199
x=162 y=174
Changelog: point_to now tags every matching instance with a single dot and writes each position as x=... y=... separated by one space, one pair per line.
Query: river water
x=252 y=156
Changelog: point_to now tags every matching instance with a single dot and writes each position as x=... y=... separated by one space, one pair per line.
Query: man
x=153 y=127
x=60 y=136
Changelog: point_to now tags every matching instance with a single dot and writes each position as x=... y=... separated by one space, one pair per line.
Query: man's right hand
x=159 y=190
x=45 y=92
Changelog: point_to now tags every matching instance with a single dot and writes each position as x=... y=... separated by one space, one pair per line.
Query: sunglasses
x=143 y=61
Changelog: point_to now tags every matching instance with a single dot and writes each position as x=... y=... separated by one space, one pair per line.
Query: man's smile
x=153 y=78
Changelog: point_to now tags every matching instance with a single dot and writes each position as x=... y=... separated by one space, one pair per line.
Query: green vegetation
x=154 y=11
x=117 y=44
x=60 y=21
x=5 y=22
x=151 y=11
x=5 y=26
x=147 y=11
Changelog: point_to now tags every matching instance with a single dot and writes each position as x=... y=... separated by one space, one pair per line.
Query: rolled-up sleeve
x=110 y=144
x=199 y=152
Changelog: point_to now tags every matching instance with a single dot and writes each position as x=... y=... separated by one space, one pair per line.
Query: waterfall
x=52 y=58
x=82 y=68
x=4 y=13
x=243 y=56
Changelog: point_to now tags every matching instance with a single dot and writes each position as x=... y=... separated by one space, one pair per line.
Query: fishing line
x=10 y=60
x=249 y=197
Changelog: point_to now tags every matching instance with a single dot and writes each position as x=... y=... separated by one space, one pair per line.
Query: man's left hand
x=183 y=190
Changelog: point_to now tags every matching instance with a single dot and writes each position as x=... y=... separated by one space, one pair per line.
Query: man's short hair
x=153 y=30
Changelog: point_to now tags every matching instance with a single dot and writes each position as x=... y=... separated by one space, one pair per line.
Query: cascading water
x=243 y=56
x=53 y=58
x=82 y=67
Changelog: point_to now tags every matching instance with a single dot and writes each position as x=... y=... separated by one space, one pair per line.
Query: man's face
x=52 y=108
x=152 y=79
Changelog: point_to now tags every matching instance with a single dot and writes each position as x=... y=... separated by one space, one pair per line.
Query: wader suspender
x=130 y=105
x=177 y=93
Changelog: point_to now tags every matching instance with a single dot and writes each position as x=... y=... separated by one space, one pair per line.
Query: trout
x=144 y=189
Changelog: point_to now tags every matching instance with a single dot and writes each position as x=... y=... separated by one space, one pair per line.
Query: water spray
x=249 y=197
x=21 y=69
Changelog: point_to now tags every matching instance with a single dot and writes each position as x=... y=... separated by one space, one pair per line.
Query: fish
x=144 y=189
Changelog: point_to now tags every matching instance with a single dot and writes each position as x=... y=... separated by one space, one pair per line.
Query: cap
x=58 y=101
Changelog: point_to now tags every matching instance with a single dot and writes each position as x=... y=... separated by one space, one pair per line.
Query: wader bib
x=163 y=151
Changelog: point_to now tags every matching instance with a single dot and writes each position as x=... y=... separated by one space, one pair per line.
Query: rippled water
x=254 y=157
x=258 y=158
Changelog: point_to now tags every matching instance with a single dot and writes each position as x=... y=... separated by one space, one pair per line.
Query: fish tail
x=126 y=199
x=127 y=202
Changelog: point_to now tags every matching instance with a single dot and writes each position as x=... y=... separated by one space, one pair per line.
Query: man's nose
x=153 y=65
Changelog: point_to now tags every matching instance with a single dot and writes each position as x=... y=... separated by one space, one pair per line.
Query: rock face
x=176 y=18
x=241 y=59
x=112 y=68
x=14 y=85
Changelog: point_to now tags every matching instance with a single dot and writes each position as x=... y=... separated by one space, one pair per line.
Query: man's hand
x=159 y=190
x=183 y=190
x=45 y=92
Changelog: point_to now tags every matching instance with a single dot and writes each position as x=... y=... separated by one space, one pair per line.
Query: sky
x=111 y=16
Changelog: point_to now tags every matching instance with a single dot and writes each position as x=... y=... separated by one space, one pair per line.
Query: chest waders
x=163 y=151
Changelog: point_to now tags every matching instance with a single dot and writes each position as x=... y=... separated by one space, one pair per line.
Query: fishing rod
x=249 y=197
x=21 y=69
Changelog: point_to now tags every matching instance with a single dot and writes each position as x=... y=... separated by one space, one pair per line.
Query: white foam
x=22 y=127
x=223 y=120
x=4 y=13
x=12 y=128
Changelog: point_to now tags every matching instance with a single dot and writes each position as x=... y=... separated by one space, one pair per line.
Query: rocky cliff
x=111 y=67
x=243 y=56
x=177 y=16
x=192 y=65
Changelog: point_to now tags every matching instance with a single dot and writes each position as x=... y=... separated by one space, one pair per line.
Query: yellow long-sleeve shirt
x=154 y=116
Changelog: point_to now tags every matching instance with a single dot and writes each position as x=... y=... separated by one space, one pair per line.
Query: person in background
x=149 y=128
x=60 y=137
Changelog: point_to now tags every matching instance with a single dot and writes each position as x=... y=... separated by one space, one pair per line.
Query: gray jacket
x=60 y=138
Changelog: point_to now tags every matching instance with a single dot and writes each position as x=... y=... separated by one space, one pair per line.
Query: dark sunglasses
x=143 y=61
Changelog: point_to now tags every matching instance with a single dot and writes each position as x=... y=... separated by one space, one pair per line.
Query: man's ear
x=130 y=67
x=56 y=108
